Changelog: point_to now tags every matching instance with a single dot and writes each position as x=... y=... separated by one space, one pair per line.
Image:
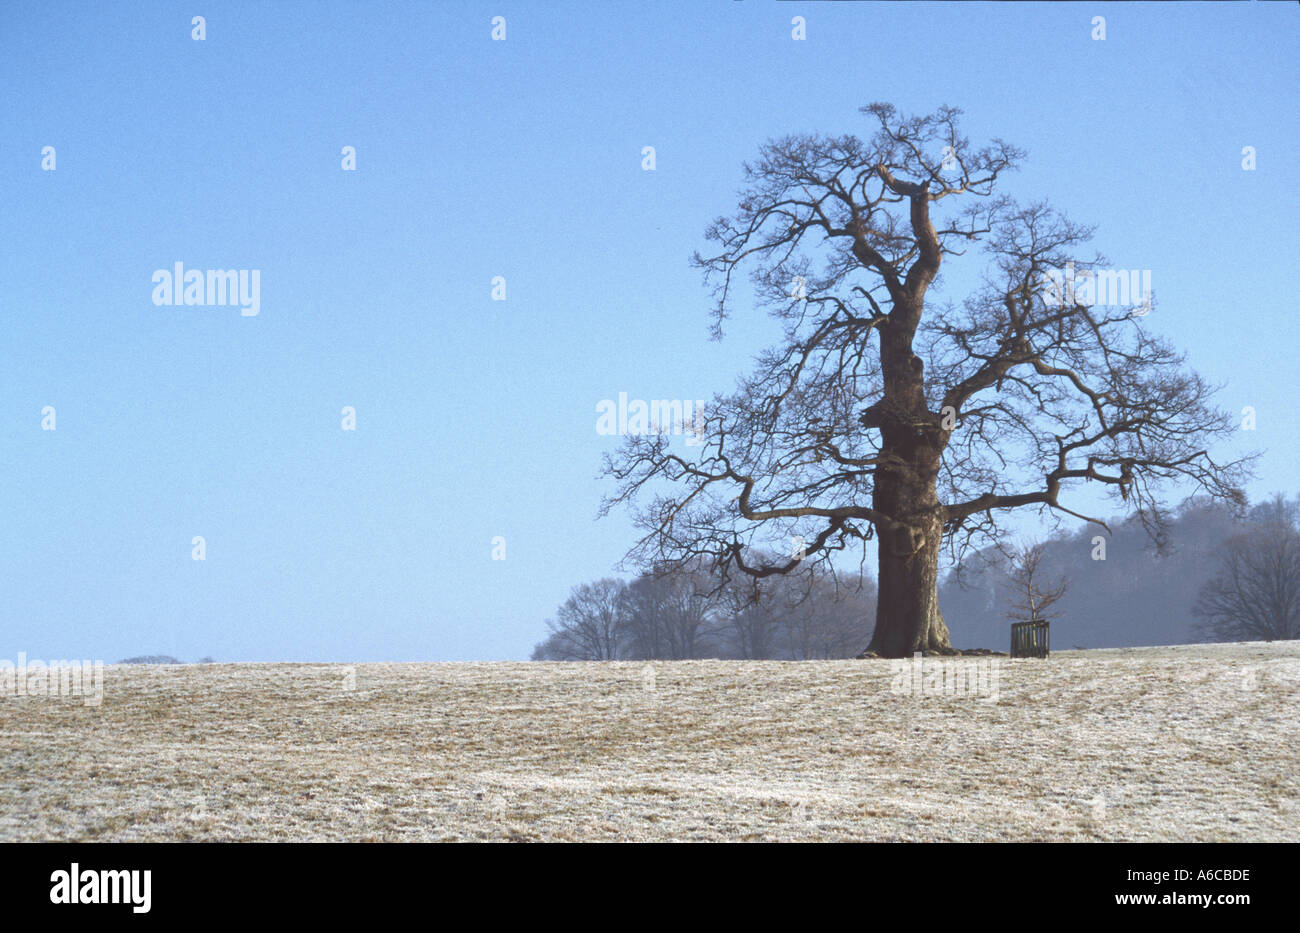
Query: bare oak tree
x=590 y=625
x=882 y=415
x=1256 y=594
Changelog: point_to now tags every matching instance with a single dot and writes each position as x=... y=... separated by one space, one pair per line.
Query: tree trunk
x=905 y=490
x=908 y=619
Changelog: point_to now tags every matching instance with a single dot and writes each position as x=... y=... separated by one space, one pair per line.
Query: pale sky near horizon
x=520 y=158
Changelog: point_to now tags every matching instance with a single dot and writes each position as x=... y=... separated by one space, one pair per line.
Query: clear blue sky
x=519 y=158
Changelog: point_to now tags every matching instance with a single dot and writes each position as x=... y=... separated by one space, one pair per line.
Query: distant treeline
x=158 y=659
x=685 y=615
x=1128 y=592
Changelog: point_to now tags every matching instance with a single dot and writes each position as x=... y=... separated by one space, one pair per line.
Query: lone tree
x=1032 y=594
x=882 y=415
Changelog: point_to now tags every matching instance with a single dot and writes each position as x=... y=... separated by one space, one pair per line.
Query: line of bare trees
x=680 y=615
x=1247 y=567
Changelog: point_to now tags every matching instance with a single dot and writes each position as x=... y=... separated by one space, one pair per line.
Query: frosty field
x=1195 y=743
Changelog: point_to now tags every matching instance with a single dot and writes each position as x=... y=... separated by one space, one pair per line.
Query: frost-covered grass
x=1188 y=743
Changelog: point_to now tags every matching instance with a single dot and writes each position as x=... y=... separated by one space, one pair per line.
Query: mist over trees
x=1141 y=593
x=1216 y=575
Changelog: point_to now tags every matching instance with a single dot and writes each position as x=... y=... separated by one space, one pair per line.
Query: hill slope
x=1185 y=743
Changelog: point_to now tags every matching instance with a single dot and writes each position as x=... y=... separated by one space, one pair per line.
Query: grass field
x=1190 y=743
